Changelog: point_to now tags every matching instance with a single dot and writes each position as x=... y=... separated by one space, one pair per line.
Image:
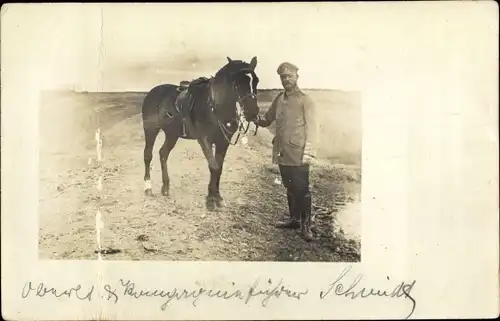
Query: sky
x=349 y=46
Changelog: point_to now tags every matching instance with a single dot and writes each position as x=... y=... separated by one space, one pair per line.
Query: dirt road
x=77 y=194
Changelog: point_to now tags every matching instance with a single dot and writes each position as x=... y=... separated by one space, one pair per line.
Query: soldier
x=294 y=146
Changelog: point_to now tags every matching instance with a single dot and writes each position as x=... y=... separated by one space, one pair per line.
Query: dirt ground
x=136 y=227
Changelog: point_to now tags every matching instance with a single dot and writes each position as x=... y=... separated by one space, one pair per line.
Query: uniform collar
x=294 y=92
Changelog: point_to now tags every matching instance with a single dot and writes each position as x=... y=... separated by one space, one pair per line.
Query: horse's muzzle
x=251 y=116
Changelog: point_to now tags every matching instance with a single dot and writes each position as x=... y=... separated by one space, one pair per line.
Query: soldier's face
x=289 y=81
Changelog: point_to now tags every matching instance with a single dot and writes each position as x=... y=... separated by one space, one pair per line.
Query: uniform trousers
x=296 y=181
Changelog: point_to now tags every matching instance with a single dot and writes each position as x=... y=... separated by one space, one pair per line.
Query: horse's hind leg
x=165 y=150
x=150 y=136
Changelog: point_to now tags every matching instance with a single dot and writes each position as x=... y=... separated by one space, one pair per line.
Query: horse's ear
x=253 y=62
x=229 y=60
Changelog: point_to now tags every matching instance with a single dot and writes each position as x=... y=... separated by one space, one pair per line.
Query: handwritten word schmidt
x=355 y=291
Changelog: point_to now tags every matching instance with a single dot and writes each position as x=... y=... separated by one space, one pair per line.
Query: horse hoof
x=220 y=202
x=210 y=204
x=164 y=192
x=148 y=192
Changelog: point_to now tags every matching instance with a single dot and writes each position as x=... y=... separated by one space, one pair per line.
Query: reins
x=238 y=118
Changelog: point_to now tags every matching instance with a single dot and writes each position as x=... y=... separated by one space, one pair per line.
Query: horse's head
x=243 y=81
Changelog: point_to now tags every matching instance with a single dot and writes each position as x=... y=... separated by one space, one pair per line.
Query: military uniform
x=296 y=135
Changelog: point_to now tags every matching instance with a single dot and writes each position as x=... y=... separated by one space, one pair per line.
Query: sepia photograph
x=186 y=150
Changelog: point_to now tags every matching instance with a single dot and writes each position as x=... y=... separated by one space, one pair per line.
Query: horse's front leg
x=214 y=198
x=206 y=148
x=213 y=166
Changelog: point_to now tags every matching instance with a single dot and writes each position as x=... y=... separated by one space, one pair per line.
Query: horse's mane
x=233 y=67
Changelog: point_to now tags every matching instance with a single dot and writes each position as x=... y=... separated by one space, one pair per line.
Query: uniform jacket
x=296 y=127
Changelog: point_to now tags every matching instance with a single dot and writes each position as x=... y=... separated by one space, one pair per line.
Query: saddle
x=183 y=85
x=186 y=99
x=188 y=93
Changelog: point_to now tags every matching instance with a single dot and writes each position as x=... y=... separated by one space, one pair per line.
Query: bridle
x=239 y=118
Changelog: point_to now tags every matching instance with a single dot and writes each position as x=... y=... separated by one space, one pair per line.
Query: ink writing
x=260 y=292
x=276 y=291
x=129 y=289
x=356 y=291
x=111 y=293
x=41 y=290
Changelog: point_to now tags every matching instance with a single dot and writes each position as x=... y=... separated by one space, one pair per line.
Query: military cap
x=287 y=68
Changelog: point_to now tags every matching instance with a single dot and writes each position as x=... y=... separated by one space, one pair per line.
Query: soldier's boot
x=292 y=220
x=305 y=219
x=288 y=214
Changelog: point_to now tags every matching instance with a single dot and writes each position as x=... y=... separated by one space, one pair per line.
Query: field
x=86 y=204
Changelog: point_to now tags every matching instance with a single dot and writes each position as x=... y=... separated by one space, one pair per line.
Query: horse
x=213 y=111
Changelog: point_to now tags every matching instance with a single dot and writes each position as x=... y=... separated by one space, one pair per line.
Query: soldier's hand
x=258 y=119
x=308 y=158
x=309 y=154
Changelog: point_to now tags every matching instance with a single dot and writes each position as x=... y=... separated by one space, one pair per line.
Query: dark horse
x=210 y=114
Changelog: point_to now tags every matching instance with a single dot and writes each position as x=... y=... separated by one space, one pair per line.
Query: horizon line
x=146 y=91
